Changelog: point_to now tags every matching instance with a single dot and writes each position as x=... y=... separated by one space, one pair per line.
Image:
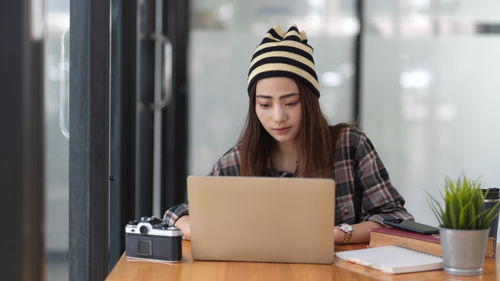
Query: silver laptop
x=262 y=219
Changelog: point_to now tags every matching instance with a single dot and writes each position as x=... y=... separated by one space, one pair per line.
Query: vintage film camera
x=150 y=238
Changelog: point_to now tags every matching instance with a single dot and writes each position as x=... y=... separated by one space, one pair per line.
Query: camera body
x=150 y=238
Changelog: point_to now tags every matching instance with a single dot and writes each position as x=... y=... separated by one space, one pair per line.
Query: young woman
x=286 y=135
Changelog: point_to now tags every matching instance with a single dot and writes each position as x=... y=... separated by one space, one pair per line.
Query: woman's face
x=278 y=108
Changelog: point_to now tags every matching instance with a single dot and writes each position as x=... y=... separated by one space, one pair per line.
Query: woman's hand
x=183 y=224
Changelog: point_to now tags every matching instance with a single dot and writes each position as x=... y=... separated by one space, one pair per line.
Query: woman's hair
x=315 y=146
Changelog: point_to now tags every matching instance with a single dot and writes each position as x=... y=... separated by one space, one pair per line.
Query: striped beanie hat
x=283 y=54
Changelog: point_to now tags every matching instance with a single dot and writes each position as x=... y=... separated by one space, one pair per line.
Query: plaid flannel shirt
x=363 y=191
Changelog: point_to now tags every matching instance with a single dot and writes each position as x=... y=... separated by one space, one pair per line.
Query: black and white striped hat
x=283 y=54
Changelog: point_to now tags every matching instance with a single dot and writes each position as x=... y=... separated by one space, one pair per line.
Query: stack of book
x=429 y=244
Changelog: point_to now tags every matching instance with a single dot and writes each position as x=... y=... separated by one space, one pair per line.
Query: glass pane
x=430 y=99
x=56 y=139
x=223 y=37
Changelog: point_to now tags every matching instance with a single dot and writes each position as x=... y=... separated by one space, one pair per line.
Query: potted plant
x=464 y=225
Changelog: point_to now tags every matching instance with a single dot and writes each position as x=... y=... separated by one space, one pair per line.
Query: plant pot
x=463 y=250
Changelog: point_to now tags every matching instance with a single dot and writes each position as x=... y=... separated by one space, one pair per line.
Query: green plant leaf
x=463 y=205
x=490 y=216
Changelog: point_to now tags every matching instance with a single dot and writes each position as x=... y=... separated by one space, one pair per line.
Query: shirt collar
x=272 y=172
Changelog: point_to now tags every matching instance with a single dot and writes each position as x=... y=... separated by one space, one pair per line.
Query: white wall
x=432 y=108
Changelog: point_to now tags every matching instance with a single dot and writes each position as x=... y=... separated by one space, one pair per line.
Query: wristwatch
x=347 y=229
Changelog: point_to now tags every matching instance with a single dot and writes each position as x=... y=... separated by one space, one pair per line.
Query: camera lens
x=143 y=229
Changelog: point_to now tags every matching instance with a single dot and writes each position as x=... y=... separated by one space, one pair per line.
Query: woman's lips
x=282 y=131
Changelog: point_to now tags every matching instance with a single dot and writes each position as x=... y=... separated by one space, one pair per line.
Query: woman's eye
x=291 y=103
x=263 y=105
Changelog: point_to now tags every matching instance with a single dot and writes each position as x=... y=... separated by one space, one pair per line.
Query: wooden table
x=212 y=270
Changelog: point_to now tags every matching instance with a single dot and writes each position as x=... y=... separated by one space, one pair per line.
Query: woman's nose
x=279 y=114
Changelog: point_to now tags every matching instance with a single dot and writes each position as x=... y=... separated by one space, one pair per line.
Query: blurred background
x=420 y=77
x=428 y=76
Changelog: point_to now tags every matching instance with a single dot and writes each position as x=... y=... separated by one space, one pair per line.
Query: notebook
x=393 y=259
x=262 y=219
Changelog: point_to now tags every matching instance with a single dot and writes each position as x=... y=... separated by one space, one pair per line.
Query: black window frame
x=89 y=139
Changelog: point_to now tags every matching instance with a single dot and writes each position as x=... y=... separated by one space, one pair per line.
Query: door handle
x=63 y=92
x=166 y=75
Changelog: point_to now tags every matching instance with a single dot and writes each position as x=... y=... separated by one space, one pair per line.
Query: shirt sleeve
x=175 y=212
x=380 y=199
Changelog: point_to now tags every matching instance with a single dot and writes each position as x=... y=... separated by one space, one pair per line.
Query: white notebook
x=393 y=259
